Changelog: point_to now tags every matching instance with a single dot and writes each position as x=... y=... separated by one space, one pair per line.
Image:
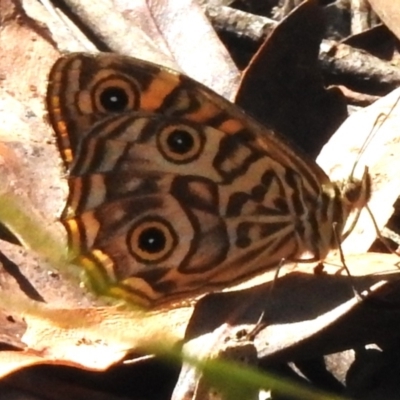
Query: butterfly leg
x=278 y=268
x=356 y=292
x=250 y=335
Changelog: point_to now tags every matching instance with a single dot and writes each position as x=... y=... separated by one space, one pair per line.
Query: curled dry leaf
x=380 y=155
x=303 y=312
x=194 y=44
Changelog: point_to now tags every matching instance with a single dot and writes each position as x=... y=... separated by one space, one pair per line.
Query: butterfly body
x=174 y=191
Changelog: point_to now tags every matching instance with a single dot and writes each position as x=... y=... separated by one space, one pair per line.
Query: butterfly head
x=357 y=192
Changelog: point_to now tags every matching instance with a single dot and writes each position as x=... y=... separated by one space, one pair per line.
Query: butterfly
x=174 y=191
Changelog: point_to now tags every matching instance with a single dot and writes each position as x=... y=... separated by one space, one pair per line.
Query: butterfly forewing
x=174 y=191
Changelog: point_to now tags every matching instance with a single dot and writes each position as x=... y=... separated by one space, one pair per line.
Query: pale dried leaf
x=339 y=155
x=303 y=308
x=92 y=338
x=173 y=34
x=221 y=344
x=195 y=46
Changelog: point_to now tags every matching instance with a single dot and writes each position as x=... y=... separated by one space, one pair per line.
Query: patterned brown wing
x=174 y=191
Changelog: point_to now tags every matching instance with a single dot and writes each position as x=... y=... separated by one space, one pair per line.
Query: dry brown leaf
x=283 y=85
x=170 y=33
x=26 y=59
x=389 y=12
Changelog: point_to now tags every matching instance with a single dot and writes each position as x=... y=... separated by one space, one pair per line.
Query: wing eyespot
x=152 y=240
x=180 y=143
x=116 y=95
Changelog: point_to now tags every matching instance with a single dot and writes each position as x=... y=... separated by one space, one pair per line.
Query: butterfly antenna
x=379 y=121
